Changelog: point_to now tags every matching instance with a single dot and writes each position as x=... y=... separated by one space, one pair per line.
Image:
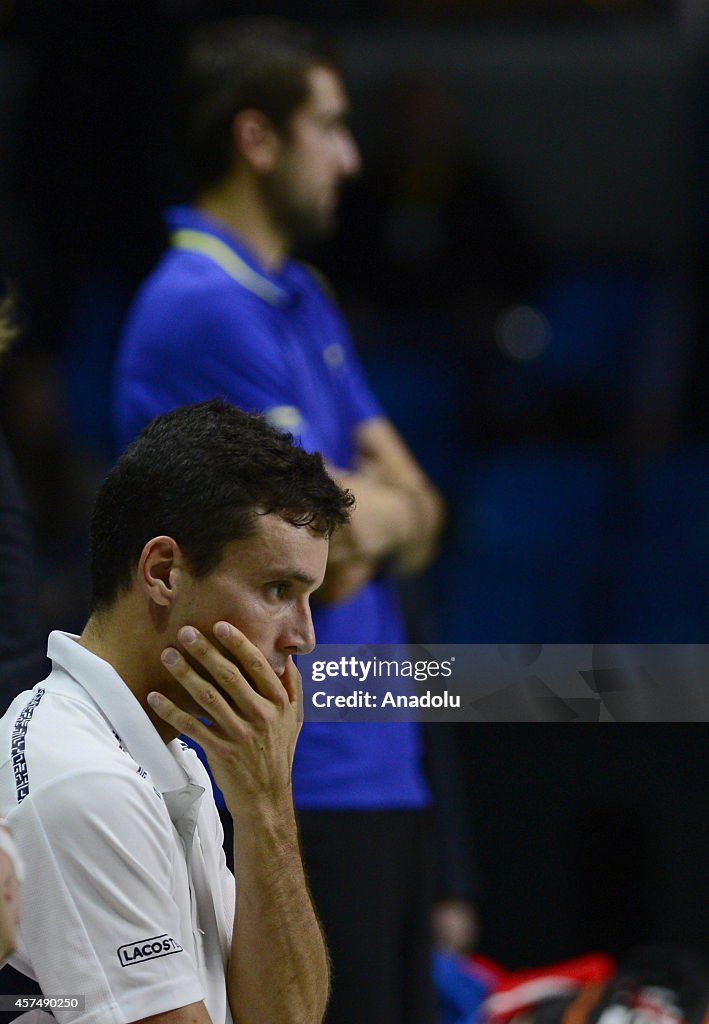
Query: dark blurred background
x=524 y=264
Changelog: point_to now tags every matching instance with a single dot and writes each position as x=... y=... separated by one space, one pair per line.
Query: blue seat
x=663 y=581
x=421 y=393
x=529 y=535
x=596 y=314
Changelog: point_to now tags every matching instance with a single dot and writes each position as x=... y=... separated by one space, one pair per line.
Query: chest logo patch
x=147 y=949
x=334 y=355
x=284 y=417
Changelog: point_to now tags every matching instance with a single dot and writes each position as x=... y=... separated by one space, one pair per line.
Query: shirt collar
x=278 y=289
x=122 y=710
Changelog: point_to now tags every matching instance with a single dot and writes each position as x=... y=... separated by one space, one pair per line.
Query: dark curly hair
x=203 y=474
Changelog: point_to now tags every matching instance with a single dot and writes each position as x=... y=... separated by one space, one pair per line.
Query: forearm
x=401 y=522
x=420 y=547
x=278 y=970
x=398 y=513
x=345 y=578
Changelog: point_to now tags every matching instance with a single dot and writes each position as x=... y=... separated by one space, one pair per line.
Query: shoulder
x=312 y=281
x=187 y=297
x=110 y=791
x=99 y=822
x=183 y=276
x=59 y=751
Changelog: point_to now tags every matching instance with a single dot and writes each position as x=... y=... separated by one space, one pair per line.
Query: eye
x=277 y=590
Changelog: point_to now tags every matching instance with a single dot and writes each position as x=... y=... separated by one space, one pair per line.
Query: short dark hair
x=241 y=63
x=203 y=474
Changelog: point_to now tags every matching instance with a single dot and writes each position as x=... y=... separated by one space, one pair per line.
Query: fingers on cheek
x=254 y=662
x=228 y=677
x=166 y=709
x=208 y=698
x=173 y=661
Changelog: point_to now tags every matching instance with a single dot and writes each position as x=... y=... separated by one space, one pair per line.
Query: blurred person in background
x=22 y=643
x=229 y=311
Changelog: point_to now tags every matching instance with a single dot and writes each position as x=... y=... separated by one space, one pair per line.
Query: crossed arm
x=278 y=968
x=398 y=515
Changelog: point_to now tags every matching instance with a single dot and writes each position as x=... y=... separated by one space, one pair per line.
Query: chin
x=327 y=225
x=315 y=229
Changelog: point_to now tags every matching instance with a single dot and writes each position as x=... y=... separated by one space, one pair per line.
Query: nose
x=350 y=158
x=300 y=635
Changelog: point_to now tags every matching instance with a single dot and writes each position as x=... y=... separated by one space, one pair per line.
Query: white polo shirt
x=127 y=899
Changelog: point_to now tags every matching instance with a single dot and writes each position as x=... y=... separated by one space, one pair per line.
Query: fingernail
x=222 y=630
x=188 y=635
x=154 y=700
x=169 y=656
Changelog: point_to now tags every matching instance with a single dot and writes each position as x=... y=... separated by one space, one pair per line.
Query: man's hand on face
x=255 y=715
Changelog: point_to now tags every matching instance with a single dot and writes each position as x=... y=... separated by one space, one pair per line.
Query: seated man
x=210 y=523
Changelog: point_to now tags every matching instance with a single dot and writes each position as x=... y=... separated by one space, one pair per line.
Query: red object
x=514 y=991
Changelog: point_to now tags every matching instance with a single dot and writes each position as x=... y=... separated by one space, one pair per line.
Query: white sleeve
x=99 y=913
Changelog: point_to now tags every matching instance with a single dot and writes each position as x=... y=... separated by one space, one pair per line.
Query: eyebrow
x=291 y=574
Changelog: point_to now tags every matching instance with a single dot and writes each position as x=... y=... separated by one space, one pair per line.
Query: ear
x=160 y=569
x=255 y=140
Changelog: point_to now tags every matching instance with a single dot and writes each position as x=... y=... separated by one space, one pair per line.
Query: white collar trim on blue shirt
x=230 y=261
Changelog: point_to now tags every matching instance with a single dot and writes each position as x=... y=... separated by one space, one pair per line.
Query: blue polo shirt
x=211 y=322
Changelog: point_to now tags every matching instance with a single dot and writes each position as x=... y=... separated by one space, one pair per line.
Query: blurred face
x=315 y=156
x=262 y=585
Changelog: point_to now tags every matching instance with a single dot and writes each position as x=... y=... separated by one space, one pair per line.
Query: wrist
x=264 y=817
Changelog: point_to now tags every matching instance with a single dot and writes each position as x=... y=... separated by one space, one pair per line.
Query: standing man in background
x=229 y=312
x=22 y=642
